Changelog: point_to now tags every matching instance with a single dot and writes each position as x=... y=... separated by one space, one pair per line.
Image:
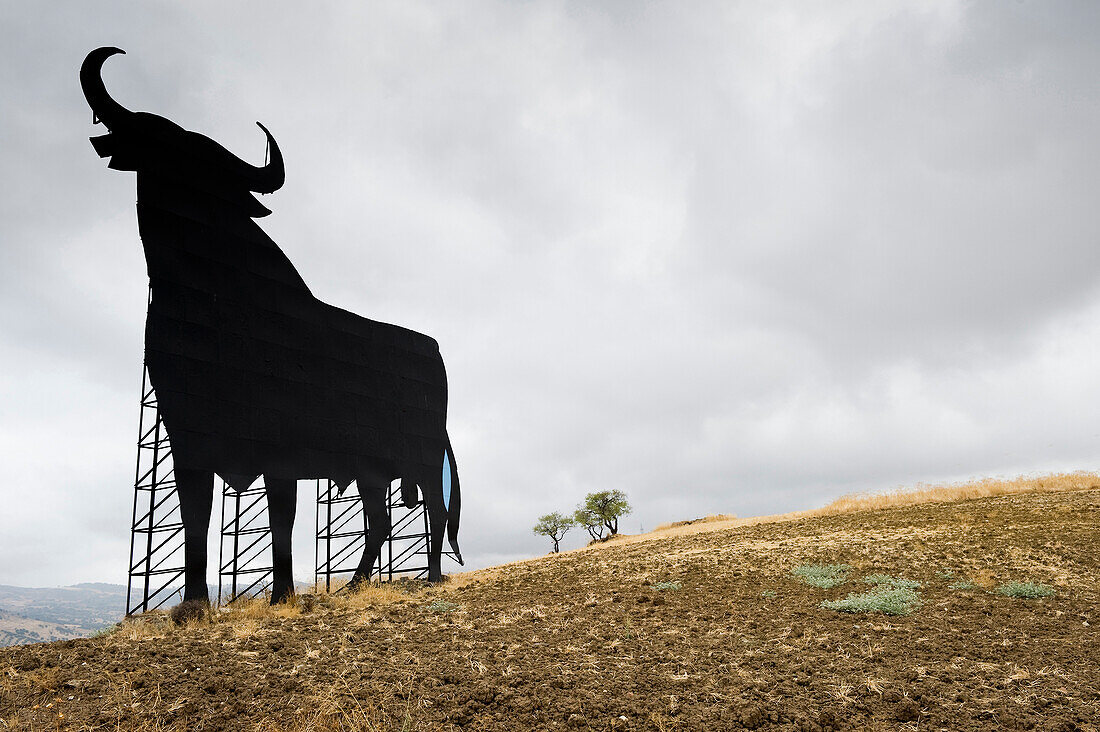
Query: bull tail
x=452 y=499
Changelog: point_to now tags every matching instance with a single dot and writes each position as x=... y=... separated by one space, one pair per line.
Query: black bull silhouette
x=253 y=374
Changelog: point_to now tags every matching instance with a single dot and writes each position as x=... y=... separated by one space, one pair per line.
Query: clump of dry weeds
x=377 y=595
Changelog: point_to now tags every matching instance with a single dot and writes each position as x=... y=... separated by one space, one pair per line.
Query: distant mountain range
x=36 y=614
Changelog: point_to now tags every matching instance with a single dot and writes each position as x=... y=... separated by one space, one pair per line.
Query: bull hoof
x=357 y=581
x=282 y=595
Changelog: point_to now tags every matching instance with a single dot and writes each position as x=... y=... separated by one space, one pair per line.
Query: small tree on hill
x=553 y=525
x=592 y=523
x=607 y=506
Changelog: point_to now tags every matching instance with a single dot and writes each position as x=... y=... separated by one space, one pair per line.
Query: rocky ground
x=682 y=631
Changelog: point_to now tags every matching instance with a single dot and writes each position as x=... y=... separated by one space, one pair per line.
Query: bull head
x=147 y=143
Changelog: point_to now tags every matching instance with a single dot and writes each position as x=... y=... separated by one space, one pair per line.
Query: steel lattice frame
x=156 y=527
x=405 y=552
x=341 y=537
x=244 y=570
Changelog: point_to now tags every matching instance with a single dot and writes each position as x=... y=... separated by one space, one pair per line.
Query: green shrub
x=887 y=580
x=945 y=574
x=442 y=606
x=886 y=600
x=1028 y=590
x=666 y=586
x=106 y=630
x=768 y=593
x=963 y=585
x=822 y=575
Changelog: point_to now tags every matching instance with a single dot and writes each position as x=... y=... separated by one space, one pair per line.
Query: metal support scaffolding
x=156 y=528
x=244 y=551
x=405 y=552
x=341 y=537
x=156 y=568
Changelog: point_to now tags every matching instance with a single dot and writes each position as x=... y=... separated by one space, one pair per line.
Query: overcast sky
x=725 y=257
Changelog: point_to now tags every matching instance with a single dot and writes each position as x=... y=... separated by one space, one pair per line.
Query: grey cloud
x=727 y=258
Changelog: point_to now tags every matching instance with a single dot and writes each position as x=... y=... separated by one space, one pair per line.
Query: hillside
x=701 y=629
x=34 y=614
x=16 y=629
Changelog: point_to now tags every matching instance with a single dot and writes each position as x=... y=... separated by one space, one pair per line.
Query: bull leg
x=195 y=489
x=408 y=492
x=435 y=551
x=281 y=505
x=377 y=524
x=437 y=524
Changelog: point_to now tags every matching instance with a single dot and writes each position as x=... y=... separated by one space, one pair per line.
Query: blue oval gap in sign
x=446 y=480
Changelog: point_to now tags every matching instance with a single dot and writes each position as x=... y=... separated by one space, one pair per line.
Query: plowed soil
x=595 y=639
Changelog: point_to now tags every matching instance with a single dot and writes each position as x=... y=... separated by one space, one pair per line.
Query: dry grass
x=711 y=518
x=899 y=497
x=258 y=608
x=962 y=491
x=340 y=709
x=332 y=709
x=151 y=625
x=247 y=616
x=376 y=595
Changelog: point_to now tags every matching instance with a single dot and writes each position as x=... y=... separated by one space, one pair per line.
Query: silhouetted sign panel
x=253 y=374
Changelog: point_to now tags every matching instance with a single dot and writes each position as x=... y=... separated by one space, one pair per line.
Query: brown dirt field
x=584 y=641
